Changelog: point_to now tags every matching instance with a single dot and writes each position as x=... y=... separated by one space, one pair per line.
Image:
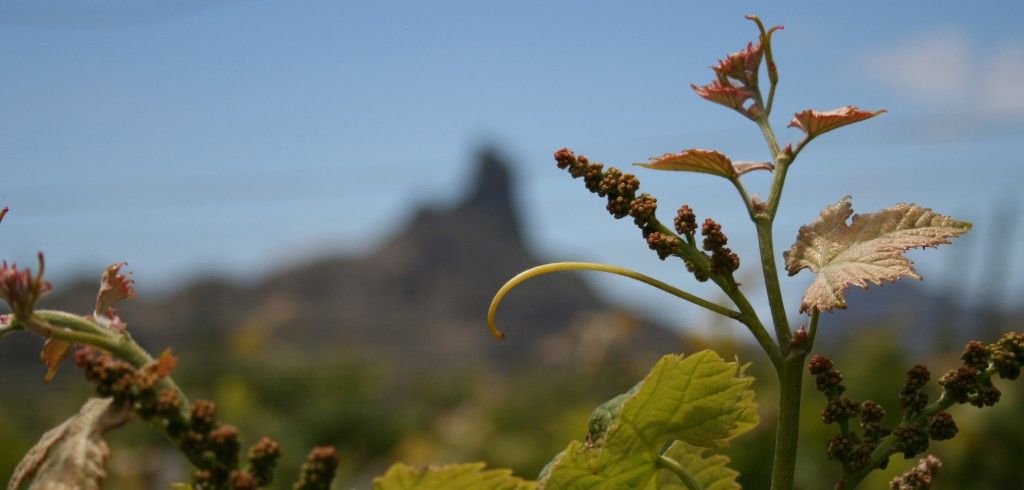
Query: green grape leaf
x=701 y=400
x=712 y=472
x=867 y=251
x=73 y=454
x=704 y=161
x=605 y=414
x=467 y=476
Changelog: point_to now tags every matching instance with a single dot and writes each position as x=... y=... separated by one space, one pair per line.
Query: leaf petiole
x=688 y=480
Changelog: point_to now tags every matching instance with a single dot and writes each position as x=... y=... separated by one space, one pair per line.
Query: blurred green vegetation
x=376 y=414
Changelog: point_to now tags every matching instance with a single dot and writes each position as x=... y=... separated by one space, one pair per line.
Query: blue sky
x=233 y=137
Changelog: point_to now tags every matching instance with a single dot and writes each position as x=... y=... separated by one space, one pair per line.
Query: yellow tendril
x=590 y=266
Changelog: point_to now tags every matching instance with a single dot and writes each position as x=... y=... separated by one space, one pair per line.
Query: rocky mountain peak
x=492 y=196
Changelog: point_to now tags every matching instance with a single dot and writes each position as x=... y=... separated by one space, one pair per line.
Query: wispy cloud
x=944 y=67
x=1004 y=83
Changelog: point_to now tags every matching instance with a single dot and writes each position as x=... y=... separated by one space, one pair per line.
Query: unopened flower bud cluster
x=620 y=190
x=922 y=422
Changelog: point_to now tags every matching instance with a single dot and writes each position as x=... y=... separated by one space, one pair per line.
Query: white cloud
x=932 y=67
x=1003 y=90
x=944 y=67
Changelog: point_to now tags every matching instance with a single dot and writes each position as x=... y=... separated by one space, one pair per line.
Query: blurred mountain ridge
x=417 y=301
x=918 y=318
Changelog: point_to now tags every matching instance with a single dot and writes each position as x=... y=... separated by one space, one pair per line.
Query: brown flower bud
x=627 y=186
x=664 y=245
x=819 y=364
x=975 y=355
x=564 y=158
x=686 y=221
x=263 y=458
x=941 y=426
x=840 y=410
x=204 y=415
x=724 y=261
x=318 y=470
x=618 y=206
x=910 y=440
x=225 y=444
x=609 y=185
x=960 y=384
x=714 y=239
x=242 y=480
x=592 y=178
x=642 y=209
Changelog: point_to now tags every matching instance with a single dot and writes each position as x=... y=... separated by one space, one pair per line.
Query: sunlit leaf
x=71 y=455
x=867 y=251
x=470 y=476
x=701 y=400
x=704 y=161
x=815 y=123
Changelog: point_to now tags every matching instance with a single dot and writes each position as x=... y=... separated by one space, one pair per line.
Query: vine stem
x=672 y=465
x=83 y=331
x=751 y=320
x=812 y=329
x=779 y=158
x=763 y=221
x=790 y=370
x=748 y=316
x=771 y=281
x=788 y=429
x=79 y=330
x=744 y=196
x=569 y=266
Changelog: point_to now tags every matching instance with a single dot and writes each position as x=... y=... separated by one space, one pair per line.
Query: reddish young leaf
x=53 y=354
x=157 y=369
x=704 y=161
x=741 y=66
x=744 y=167
x=114 y=287
x=724 y=94
x=815 y=123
